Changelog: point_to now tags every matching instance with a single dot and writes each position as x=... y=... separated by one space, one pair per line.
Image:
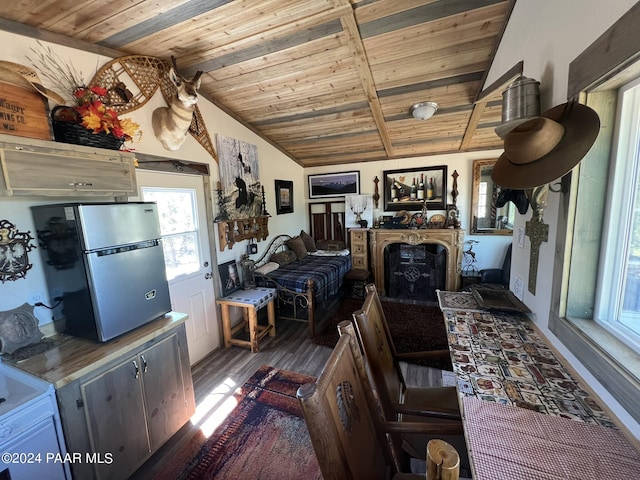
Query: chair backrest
x=383 y=368
x=506 y=267
x=337 y=409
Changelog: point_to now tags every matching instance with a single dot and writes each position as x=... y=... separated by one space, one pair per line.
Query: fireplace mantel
x=451 y=239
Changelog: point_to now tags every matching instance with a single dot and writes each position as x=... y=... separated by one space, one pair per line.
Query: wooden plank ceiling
x=326 y=81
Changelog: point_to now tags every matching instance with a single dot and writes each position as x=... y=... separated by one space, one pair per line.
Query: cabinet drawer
x=358 y=236
x=359 y=262
x=358 y=249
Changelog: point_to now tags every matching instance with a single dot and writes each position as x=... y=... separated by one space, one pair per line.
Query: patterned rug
x=458 y=301
x=414 y=328
x=267 y=420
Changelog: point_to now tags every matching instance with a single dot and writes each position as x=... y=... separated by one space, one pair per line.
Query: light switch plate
x=520 y=237
x=518 y=288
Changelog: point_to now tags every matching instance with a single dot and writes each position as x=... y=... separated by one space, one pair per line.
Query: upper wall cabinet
x=37 y=168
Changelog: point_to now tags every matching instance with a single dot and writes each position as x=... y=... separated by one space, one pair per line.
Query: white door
x=183 y=223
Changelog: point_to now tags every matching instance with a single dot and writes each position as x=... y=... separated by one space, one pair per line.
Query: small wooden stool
x=250 y=301
x=356 y=279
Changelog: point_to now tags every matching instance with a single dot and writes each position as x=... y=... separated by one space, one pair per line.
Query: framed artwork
x=334 y=184
x=409 y=188
x=229 y=278
x=239 y=178
x=284 y=196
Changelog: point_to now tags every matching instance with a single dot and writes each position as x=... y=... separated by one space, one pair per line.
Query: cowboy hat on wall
x=547 y=147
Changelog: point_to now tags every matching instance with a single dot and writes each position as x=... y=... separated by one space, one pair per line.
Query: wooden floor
x=291 y=349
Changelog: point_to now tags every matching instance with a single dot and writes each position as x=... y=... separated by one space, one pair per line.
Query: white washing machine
x=31 y=440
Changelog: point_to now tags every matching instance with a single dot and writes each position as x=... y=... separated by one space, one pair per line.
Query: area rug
x=458 y=301
x=414 y=328
x=264 y=437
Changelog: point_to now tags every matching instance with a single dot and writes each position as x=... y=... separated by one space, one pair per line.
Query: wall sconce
x=423 y=110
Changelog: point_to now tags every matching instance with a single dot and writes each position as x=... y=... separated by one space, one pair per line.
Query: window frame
x=594 y=76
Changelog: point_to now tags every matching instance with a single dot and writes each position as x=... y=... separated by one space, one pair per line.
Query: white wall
x=491 y=249
x=272 y=163
x=547 y=35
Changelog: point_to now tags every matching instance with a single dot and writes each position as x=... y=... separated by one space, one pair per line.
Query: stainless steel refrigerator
x=105 y=263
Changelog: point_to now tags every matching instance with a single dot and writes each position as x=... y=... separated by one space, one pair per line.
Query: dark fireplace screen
x=415 y=271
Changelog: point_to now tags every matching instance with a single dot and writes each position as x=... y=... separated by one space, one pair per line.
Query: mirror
x=485 y=218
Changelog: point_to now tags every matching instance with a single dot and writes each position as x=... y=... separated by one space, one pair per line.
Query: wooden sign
x=24 y=113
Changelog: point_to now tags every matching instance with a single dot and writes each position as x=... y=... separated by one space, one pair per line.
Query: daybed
x=306 y=278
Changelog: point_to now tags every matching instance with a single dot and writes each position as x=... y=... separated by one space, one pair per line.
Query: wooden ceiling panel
x=326 y=81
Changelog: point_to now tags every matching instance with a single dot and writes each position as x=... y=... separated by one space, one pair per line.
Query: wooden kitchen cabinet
x=36 y=167
x=124 y=411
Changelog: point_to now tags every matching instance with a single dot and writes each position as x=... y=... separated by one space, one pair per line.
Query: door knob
x=208 y=276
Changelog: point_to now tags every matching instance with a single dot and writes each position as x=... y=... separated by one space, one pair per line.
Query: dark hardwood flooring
x=290 y=349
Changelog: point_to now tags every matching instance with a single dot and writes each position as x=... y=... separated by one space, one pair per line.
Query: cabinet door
x=164 y=390
x=114 y=411
x=35 y=171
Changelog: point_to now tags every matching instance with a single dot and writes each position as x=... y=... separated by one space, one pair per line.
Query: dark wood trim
x=172 y=165
x=611 y=53
x=58 y=39
x=503 y=82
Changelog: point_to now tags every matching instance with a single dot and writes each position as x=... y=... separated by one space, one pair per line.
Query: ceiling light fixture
x=423 y=110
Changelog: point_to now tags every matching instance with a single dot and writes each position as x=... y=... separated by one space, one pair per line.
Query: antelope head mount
x=171 y=124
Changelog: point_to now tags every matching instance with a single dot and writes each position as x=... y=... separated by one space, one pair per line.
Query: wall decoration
x=229 y=278
x=239 y=178
x=14 y=249
x=284 y=196
x=410 y=188
x=334 y=184
x=358 y=211
x=132 y=80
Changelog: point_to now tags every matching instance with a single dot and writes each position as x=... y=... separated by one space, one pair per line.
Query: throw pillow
x=283 y=258
x=297 y=245
x=267 y=268
x=309 y=242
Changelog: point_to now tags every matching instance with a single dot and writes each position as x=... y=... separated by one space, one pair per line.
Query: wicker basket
x=70 y=132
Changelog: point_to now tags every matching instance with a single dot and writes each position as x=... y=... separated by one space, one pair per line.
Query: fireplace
x=420 y=261
x=415 y=271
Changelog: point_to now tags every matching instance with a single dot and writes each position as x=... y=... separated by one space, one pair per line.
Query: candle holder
x=264 y=205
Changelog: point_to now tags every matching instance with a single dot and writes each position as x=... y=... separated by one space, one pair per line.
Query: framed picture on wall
x=334 y=184
x=409 y=188
x=284 y=196
x=229 y=278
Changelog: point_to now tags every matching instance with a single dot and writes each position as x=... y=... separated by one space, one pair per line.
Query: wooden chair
x=397 y=401
x=348 y=434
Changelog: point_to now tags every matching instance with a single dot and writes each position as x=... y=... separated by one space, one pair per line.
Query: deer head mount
x=171 y=124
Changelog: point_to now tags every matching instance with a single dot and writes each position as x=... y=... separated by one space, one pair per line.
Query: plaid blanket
x=327 y=273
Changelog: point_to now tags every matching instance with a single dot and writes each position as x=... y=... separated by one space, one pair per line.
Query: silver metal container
x=520 y=102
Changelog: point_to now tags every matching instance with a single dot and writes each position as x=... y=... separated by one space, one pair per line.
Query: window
x=178 y=227
x=482 y=200
x=618 y=301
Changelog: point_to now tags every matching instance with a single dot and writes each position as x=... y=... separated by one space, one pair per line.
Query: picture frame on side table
x=229 y=277
x=398 y=186
x=284 y=196
x=325 y=185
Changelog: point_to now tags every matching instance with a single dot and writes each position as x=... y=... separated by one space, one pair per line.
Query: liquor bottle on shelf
x=394 y=190
x=414 y=190
x=430 y=191
x=421 y=187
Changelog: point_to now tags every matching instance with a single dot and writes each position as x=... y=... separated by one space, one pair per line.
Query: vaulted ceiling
x=326 y=81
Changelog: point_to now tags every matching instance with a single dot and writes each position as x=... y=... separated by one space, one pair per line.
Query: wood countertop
x=74 y=357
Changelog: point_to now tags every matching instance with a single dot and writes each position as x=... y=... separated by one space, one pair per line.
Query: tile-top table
x=250 y=301
x=500 y=357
